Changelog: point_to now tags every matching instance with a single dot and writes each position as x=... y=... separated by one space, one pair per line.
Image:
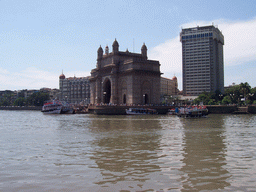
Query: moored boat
x=194 y=111
x=57 y=107
x=140 y=111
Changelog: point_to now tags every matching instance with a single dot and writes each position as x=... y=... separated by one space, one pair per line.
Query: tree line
x=241 y=94
x=36 y=99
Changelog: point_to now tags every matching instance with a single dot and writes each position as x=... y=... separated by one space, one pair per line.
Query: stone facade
x=74 y=90
x=125 y=78
x=169 y=87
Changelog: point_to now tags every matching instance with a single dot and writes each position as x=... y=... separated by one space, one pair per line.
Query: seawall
x=252 y=109
x=37 y=108
x=221 y=109
x=120 y=110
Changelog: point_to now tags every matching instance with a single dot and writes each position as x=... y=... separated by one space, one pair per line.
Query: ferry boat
x=195 y=111
x=140 y=111
x=57 y=107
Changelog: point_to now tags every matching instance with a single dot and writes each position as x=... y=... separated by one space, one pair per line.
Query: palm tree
x=244 y=89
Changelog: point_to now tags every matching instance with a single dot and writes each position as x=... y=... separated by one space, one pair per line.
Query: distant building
x=202 y=60
x=125 y=77
x=74 y=90
x=29 y=92
x=53 y=93
x=169 y=87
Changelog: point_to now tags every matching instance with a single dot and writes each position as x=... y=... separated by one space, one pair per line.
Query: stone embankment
x=120 y=110
x=220 y=109
x=38 y=108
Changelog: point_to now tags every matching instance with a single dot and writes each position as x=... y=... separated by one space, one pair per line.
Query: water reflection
x=125 y=153
x=204 y=154
x=126 y=149
x=241 y=152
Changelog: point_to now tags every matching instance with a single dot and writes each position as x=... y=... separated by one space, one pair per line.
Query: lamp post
x=251 y=96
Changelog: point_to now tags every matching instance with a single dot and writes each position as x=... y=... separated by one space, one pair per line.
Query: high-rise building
x=202 y=60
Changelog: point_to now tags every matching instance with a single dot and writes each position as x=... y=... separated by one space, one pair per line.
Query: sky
x=41 y=38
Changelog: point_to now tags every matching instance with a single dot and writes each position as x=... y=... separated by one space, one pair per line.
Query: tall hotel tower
x=202 y=60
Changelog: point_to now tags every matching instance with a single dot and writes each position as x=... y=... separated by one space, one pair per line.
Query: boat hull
x=54 y=111
x=67 y=111
x=140 y=111
x=57 y=107
x=187 y=112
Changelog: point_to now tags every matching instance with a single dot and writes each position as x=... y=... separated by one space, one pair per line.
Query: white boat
x=57 y=107
x=140 y=111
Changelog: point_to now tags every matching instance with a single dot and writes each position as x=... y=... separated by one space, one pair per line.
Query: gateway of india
x=125 y=78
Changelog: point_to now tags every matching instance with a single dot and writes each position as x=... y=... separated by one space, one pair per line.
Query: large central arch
x=146 y=90
x=107 y=91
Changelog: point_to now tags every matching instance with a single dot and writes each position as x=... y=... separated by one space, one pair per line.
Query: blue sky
x=40 y=38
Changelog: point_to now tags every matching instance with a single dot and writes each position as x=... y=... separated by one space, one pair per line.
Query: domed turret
x=106 y=50
x=174 y=78
x=100 y=53
x=144 y=50
x=62 y=76
x=115 y=46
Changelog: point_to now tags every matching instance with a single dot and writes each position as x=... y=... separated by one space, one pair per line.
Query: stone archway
x=145 y=99
x=107 y=91
x=146 y=90
x=124 y=99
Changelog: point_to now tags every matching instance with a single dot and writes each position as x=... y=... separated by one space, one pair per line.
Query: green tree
x=226 y=100
x=38 y=98
x=244 y=89
x=211 y=102
x=7 y=98
x=252 y=95
x=20 y=101
x=5 y=102
x=203 y=97
x=234 y=94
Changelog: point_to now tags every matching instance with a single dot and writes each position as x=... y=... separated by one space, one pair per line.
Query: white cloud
x=239 y=48
x=30 y=78
x=33 y=78
x=169 y=55
x=3 y=71
x=240 y=41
